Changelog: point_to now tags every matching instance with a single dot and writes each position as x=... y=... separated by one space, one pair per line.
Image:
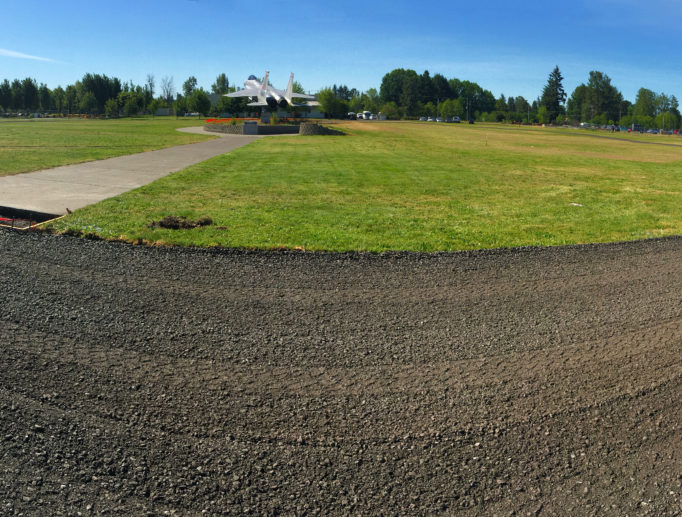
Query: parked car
x=422 y=119
x=439 y=119
x=430 y=119
x=456 y=120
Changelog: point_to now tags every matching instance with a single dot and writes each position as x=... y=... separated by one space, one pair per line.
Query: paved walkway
x=52 y=191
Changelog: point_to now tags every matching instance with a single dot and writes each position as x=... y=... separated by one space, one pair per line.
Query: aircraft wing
x=246 y=92
x=309 y=104
x=257 y=103
x=295 y=95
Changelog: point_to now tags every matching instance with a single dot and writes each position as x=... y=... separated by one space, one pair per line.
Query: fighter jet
x=267 y=95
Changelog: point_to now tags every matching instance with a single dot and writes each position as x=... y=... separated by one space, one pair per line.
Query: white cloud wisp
x=20 y=55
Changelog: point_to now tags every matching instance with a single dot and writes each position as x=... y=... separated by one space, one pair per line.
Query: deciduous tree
x=29 y=88
x=45 y=98
x=58 y=99
x=199 y=102
x=189 y=85
x=111 y=108
x=102 y=87
x=151 y=83
x=409 y=97
x=390 y=109
x=330 y=104
x=645 y=103
x=441 y=87
x=71 y=98
x=88 y=103
x=167 y=88
x=221 y=85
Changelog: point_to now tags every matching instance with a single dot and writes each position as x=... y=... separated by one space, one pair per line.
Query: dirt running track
x=143 y=381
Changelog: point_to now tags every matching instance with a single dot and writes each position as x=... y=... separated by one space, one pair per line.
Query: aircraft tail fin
x=265 y=80
x=290 y=87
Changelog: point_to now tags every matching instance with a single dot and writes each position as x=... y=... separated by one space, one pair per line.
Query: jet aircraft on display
x=267 y=95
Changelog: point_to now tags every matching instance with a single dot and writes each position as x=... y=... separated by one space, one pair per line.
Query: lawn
x=409 y=186
x=29 y=145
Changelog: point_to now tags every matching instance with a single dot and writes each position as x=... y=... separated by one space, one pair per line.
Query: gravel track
x=140 y=380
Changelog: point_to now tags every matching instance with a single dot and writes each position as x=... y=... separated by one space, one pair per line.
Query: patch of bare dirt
x=175 y=222
x=143 y=380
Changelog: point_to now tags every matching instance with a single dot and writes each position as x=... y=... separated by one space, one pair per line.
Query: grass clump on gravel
x=30 y=145
x=409 y=186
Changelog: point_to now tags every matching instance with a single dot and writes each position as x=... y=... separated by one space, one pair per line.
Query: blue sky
x=506 y=47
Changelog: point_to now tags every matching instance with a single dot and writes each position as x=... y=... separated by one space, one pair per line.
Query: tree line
x=97 y=94
x=406 y=94
x=403 y=94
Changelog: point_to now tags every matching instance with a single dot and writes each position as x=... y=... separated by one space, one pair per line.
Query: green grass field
x=29 y=145
x=410 y=186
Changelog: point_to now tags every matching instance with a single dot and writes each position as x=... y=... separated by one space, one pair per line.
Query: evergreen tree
x=553 y=95
x=427 y=92
x=501 y=104
x=45 y=97
x=603 y=98
x=5 y=94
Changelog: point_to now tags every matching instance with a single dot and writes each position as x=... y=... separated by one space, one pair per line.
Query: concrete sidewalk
x=52 y=191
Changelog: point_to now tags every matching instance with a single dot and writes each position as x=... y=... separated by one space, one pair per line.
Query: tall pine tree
x=553 y=95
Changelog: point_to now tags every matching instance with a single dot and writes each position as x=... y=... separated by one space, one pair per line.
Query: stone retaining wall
x=303 y=129
x=230 y=129
x=277 y=130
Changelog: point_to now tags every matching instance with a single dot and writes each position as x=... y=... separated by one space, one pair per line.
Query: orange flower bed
x=226 y=120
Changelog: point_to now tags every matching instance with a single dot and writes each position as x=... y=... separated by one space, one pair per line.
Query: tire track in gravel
x=148 y=380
